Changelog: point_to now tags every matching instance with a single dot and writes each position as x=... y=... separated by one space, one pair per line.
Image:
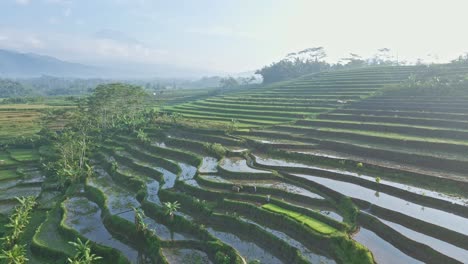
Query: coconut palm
x=171 y=208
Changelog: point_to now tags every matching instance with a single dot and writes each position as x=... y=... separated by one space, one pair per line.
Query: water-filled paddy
x=85 y=217
x=238 y=165
x=248 y=250
x=209 y=165
x=188 y=256
x=430 y=215
x=384 y=252
x=421 y=191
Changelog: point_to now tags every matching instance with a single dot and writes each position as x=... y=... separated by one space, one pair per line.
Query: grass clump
x=308 y=221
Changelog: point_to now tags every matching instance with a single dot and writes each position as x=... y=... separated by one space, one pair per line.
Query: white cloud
x=53 y=20
x=67 y=12
x=79 y=22
x=219 y=31
x=76 y=48
x=58 y=1
x=22 y=2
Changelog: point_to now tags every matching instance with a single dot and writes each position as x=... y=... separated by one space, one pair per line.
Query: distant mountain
x=15 y=64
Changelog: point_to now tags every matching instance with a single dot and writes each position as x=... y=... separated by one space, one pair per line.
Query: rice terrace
x=304 y=160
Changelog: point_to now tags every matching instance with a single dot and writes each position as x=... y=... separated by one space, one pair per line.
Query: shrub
x=222 y=258
x=215 y=149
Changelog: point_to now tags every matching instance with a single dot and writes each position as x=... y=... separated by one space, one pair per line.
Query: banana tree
x=171 y=208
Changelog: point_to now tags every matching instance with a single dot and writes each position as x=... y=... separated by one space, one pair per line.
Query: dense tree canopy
x=312 y=60
x=113 y=103
x=10 y=88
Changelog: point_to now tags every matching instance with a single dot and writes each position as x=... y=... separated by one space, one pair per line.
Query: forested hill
x=28 y=64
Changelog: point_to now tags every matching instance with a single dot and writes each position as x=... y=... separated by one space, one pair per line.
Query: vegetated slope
x=415 y=131
x=301 y=98
x=274 y=194
x=24 y=120
x=243 y=196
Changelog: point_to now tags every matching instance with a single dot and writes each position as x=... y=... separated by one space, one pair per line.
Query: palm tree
x=171 y=208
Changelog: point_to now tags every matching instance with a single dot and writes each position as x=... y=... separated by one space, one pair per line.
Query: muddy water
x=267 y=184
x=384 y=252
x=238 y=165
x=248 y=250
x=308 y=254
x=185 y=256
x=85 y=217
x=406 y=187
x=164 y=233
x=6 y=184
x=119 y=200
x=209 y=165
x=152 y=187
x=427 y=214
x=187 y=171
x=7 y=207
x=332 y=215
x=19 y=191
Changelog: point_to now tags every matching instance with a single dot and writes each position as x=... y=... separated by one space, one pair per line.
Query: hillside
x=336 y=167
x=14 y=64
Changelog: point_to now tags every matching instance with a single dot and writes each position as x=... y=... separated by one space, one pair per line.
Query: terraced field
x=18 y=120
x=327 y=168
x=289 y=101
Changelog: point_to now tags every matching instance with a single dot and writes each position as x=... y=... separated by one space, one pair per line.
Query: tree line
x=312 y=60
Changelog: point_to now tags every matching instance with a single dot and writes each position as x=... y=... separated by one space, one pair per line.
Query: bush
x=215 y=149
x=222 y=258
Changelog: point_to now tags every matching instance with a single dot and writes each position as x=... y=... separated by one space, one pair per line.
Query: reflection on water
x=384 y=252
x=85 y=217
x=430 y=215
x=238 y=165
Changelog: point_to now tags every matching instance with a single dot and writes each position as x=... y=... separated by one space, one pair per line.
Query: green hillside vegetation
x=335 y=166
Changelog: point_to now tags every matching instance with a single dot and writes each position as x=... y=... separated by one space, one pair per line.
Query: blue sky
x=230 y=35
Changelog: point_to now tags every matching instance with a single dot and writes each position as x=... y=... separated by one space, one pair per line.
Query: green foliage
x=377 y=179
x=10 y=88
x=310 y=222
x=142 y=136
x=215 y=149
x=435 y=81
x=14 y=255
x=222 y=258
x=359 y=165
x=294 y=65
x=18 y=221
x=232 y=126
x=117 y=106
x=139 y=222
x=170 y=208
x=83 y=253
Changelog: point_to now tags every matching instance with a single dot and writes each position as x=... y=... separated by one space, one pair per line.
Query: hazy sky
x=231 y=35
